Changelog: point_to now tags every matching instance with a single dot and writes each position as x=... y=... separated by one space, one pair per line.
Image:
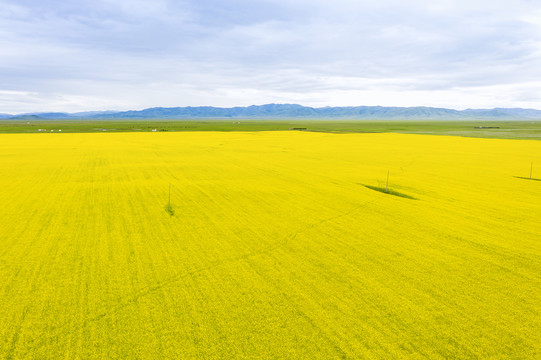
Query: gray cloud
x=131 y=54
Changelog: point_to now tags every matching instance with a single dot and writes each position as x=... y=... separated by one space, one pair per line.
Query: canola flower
x=276 y=246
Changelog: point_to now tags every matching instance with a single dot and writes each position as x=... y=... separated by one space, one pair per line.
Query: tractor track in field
x=146 y=291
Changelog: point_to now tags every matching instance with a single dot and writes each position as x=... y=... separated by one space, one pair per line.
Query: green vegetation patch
x=389 y=191
x=527 y=178
x=169 y=210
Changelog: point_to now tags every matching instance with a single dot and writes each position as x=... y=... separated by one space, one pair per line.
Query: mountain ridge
x=295 y=111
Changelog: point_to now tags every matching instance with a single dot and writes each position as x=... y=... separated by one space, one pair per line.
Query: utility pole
x=387 y=184
x=169 y=203
x=531 y=168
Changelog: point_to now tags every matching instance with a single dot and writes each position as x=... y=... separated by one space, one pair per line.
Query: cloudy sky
x=60 y=55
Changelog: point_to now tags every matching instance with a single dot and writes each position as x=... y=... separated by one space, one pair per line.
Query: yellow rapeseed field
x=275 y=248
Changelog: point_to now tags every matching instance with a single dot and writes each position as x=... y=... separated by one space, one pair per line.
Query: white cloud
x=91 y=55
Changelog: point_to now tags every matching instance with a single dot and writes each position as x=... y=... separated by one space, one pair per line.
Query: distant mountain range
x=294 y=111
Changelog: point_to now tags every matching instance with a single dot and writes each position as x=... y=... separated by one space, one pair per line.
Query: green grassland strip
x=480 y=129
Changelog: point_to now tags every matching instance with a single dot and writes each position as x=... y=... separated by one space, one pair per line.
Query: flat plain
x=276 y=247
x=511 y=129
